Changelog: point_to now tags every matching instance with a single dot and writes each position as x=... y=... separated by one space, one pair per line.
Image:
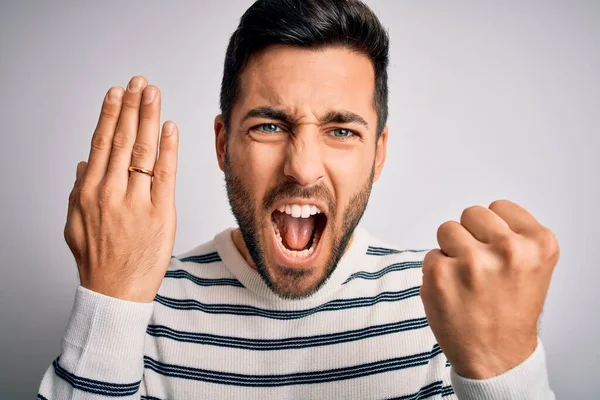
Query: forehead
x=309 y=81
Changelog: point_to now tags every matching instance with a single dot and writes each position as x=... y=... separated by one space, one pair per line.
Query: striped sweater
x=216 y=331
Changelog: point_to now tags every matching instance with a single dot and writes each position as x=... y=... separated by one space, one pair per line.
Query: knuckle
x=438 y=278
x=147 y=116
x=120 y=141
x=100 y=141
x=424 y=293
x=471 y=270
x=84 y=196
x=73 y=198
x=435 y=270
x=469 y=259
x=548 y=244
x=130 y=104
x=429 y=261
x=140 y=150
x=509 y=249
x=162 y=174
x=67 y=230
x=109 y=112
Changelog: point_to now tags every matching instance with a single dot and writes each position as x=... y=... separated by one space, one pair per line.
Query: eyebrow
x=338 y=116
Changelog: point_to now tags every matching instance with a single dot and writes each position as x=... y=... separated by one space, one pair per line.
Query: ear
x=220 y=141
x=380 y=153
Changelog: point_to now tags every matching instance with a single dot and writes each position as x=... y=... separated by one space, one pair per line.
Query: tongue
x=296 y=232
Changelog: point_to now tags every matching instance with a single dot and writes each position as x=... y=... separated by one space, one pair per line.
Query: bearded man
x=298 y=301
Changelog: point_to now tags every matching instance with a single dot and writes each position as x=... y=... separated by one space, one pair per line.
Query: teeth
x=305 y=211
x=299 y=211
x=296 y=211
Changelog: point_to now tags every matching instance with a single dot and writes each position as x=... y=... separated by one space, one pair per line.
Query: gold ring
x=142 y=170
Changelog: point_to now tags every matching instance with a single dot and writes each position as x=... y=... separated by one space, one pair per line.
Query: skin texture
x=303 y=158
x=483 y=290
x=120 y=226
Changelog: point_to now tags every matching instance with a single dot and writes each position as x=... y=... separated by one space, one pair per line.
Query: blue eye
x=269 y=128
x=342 y=133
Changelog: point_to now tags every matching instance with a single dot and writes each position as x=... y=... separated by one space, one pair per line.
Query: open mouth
x=298 y=229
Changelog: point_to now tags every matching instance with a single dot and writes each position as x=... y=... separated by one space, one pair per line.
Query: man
x=298 y=302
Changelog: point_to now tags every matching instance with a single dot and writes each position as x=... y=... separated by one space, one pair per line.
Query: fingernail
x=135 y=84
x=114 y=95
x=169 y=129
x=148 y=95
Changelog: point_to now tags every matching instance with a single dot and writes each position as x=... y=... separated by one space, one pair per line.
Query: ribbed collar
x=251 y=279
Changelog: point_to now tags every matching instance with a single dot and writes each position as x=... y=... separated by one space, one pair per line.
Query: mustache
x=290 y=189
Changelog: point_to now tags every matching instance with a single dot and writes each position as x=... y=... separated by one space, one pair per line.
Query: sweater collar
x=354 y=256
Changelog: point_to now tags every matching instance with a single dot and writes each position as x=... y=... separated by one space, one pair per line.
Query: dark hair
x=310 y=24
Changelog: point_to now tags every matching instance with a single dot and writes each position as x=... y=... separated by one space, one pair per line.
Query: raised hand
x=484 y=288
x=121 y=225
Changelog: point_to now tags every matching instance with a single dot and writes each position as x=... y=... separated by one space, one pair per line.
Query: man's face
x=300 y=159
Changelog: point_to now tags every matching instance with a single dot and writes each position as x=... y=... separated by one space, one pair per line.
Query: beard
x=291 y=283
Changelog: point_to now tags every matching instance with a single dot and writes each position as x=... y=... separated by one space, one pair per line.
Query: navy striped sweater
x=216 y=331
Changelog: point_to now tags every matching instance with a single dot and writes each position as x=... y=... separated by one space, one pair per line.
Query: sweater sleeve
x=528 y=380
x=102 y=354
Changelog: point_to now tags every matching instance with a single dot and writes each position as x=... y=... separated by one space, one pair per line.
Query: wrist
x=494 y=362
x=106 y=325
x=130 y=292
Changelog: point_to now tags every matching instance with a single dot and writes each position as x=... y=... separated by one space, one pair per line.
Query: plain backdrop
x=488 y=100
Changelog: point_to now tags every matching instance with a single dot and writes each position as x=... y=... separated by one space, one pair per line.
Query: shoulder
x=204 y=253
x=398 y=264
x=202 y=260
x=386 y=252
x=198 y=267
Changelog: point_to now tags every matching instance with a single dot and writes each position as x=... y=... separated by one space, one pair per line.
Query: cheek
x=257 y=165
x=348 y=171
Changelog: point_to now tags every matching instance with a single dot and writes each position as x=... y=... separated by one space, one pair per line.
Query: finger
x=117 y=174
x=485 y=225
x=79 y=174
x=145 y=147
x=103 y=134
x=80 y=170
x=455 y=240
x=163 y=183
x=439 y=271
x=518 y=219
x=431 y=259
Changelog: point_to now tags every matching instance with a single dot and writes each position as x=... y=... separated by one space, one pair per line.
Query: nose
x=303 y=161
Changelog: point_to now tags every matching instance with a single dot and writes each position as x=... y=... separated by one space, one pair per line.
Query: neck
x=238 y=240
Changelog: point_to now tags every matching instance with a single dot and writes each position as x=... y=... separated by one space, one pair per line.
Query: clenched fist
x=121 y=225
x=483 y=290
